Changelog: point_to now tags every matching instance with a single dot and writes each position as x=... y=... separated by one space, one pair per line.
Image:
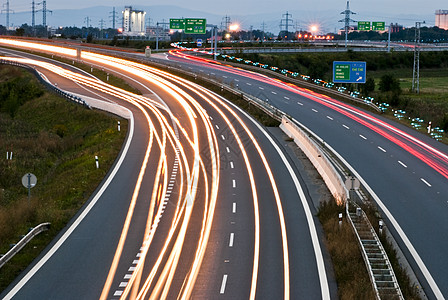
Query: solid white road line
x=223 y=284
x=232 y=237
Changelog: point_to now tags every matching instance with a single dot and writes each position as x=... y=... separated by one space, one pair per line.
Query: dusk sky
x=254 y=12
x=238 y=7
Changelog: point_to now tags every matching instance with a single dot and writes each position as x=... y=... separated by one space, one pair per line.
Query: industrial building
x=133 y=22
x=442 y=19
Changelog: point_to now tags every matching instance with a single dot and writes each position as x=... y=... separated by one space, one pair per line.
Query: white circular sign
x=352 y=183
x=29 y=180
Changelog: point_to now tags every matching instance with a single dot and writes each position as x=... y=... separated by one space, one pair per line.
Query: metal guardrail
x=380 y=270
x=47 y=84
x=22 y=243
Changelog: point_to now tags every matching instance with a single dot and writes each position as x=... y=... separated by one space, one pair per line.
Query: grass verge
x=57 y=141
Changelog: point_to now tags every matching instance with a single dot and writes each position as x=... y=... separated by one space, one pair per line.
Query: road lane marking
x=127 y=276
x=248 y=83
x=345 y=126
x=261 y=88
x=233 y=183
x=225 y=76
x=232 y=165
x=274 y=93
x=426 y=182
x=232 y=237
x=381 y=149
x=287 y=98
x=118 y=293
x=237 y=80
x=234 y=207
x=330 y=118
x=227 y=149
x=223 y=284
x=401 y=163
x=363 y=137
x=314 y=110
x=299 y=103
x=217 y=127
x=123 y=284
x=223 y=137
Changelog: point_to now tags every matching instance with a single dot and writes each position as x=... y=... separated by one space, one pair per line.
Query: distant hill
x=327 y=19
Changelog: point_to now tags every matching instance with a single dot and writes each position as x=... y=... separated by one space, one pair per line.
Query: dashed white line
x=217 y=127
x=234 y=207
x=299 y=103
x=426 y=182
x=225 y=76
x=363 y=137
x=232 y=237
x=211 y=118
x=401 y=163
x=127 y=276
x=118 y=293
x=314 y=110
x=330 y=118
x=345 y=126
x=233 y=183
x=287 y=98
x=381 y=149
x=223 y=284
x=274 y=93
x=261 y=88
x=123 y=284
x=248 y=83
x=227 y=149
x=237 y=80
x=223 y=137
x=232 y=165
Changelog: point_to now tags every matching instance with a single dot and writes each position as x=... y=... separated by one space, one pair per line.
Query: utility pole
x=7 y=10
x=33 y=15
x=87 y=21
x=347 y=12
x=114 y=17
x=262 y=30
x=226 y=23
x=101 y=23
x=44 y=11
x=286 y=24
x=416 y=71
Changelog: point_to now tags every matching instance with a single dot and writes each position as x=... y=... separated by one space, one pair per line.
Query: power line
x=416 y=70
x=287 y=22
x=87 y=21
x=114 y=15
x=347 y=12
x=7 y=10
x=44 y=11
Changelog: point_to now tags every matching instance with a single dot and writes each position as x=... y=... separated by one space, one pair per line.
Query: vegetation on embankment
x=57 y=141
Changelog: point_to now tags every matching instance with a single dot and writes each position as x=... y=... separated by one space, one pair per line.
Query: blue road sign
x=199 y=42
x=349 y=72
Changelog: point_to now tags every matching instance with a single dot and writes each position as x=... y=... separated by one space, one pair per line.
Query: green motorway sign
x=380 y=26
x=177 y=24
x=349 y=72
x=364 y=25
x=195 y=26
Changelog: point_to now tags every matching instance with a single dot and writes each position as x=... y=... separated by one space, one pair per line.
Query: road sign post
x=195 y=26
x=364 y=25
x=349 y=72
x=29 y=180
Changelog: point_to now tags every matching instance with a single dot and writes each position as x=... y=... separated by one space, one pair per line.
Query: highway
x=202 y=203
x=406 y=171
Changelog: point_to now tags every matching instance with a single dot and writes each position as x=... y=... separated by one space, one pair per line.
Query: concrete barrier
x=325 y=168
